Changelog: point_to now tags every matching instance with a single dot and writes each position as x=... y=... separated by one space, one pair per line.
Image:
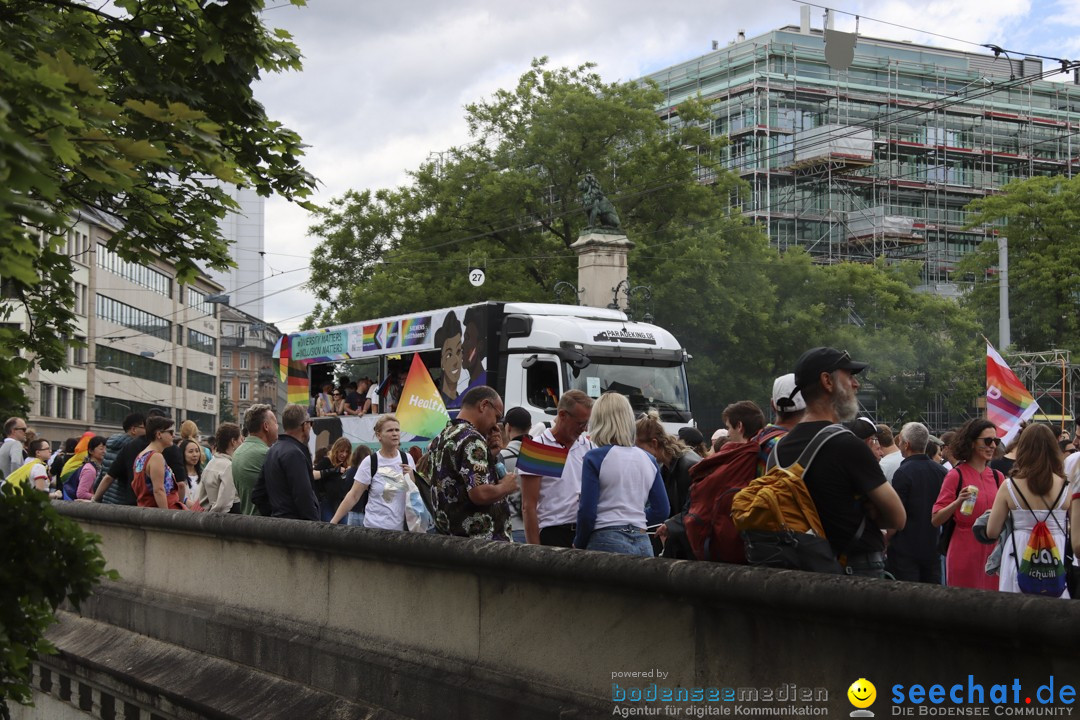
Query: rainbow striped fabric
x=1008 y=402
x=539 y=459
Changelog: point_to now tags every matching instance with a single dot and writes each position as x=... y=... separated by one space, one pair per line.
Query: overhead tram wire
x=996 y=48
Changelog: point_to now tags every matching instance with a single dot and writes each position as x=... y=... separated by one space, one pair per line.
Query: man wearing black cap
x=845 y=481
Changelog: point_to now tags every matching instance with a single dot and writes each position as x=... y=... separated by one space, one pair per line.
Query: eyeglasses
x=336 y=394
x=990 y=442
x=23 y=428
x=307 y=422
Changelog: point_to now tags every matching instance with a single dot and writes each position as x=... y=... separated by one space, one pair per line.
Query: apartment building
x=248 y=368
x=150 y=342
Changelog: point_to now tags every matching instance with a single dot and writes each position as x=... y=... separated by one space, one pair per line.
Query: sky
x=384 y=84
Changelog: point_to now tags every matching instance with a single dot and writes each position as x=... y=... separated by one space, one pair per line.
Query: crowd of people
x=960 y=509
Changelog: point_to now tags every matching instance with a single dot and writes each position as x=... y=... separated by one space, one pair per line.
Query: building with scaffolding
x=880 y=159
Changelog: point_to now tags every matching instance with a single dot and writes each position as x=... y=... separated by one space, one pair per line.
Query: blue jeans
x=355 y=519
x=622 y=539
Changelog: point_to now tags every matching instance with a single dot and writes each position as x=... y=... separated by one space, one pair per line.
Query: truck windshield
x=662 y=387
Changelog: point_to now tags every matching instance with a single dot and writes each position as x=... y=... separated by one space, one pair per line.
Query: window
x=197 y=300
x=78 y=402
x=226 y=388
x=207 y=422
x=542 y=384
x=245 y=358
x=201 y=342
x=133 y=318
x=80 y=298
x=243 y=390
x=78 y=354
x=226 y=359
x=139 y=274
x=45 y=401
x=63 y=401
x=112 y=411
x=201 y=381
x=111 y=360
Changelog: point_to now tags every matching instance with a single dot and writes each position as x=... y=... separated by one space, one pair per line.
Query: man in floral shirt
x=469 y=498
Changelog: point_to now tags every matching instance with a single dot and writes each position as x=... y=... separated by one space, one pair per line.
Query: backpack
x=1040 y=570
x=710 y=530
x=777 y=517
x=20 y=476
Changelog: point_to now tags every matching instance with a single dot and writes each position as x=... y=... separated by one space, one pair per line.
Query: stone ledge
x=950 y=610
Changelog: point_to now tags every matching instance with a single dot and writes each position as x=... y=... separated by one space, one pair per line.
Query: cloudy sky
x=384 y=83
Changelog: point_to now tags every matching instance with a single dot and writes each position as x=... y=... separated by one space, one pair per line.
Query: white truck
x=529 y=352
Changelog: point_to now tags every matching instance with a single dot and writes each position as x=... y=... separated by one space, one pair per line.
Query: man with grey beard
x=853 y=500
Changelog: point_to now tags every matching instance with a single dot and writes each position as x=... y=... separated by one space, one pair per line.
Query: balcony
x=248 y=342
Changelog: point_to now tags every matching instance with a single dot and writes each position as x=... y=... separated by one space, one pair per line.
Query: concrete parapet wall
x=437 y=627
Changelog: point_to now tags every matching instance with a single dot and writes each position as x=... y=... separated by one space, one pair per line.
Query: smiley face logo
x=862 y=693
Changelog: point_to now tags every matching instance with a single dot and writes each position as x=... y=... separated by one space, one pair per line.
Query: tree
x=920 y=347
x=509 y=200
x=1039 y=217
x=226 y=413
x=47 y=559
x=137 y=110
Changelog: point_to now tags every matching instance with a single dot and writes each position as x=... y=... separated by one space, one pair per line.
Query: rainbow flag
x=372 y=337
x=539 y=459
x=421 y=410
x=74 y=463
x=1008 y=402
x=292 y=373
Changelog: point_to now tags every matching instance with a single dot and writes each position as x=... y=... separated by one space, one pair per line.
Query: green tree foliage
x=920 y=346
x=226 y=414
x=47 y=559
x=509 y=202
x=1040 y=217
x=135 y=110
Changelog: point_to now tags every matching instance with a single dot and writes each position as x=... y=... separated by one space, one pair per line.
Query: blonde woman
x=622 y=491
x=386 y=506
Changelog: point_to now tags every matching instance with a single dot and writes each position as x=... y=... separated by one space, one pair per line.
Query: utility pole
x=1004 y=333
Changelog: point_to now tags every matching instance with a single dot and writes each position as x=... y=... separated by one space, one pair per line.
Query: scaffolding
x=1054 y=382
x=881 y=159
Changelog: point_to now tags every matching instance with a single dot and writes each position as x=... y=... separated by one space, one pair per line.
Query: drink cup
x=968 y=506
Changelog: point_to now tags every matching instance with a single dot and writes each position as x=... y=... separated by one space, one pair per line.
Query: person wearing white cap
x=788 y=408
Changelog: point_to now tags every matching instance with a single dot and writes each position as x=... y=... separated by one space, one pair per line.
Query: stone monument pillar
x=601 y=266
x=601 y=247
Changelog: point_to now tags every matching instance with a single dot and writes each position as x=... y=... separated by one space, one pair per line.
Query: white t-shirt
x=381 y=513
x=558 y=503
x=39 y=472
x=890 y=463
x=1072 y=474
x=373 y=396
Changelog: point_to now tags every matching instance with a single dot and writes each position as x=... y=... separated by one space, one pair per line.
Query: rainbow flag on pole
x=421 y=410
x=1008 y=402
x=539 y=459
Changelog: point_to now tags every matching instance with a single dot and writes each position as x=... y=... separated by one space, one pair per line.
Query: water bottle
x=968 y=506
x=500 y=470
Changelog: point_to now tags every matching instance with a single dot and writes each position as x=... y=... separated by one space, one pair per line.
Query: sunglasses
x=990 y=442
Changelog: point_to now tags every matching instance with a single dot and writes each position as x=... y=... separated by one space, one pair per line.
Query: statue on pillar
x=599 y=210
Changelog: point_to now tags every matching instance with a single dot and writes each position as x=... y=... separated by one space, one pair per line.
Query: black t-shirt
x=839 y=479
